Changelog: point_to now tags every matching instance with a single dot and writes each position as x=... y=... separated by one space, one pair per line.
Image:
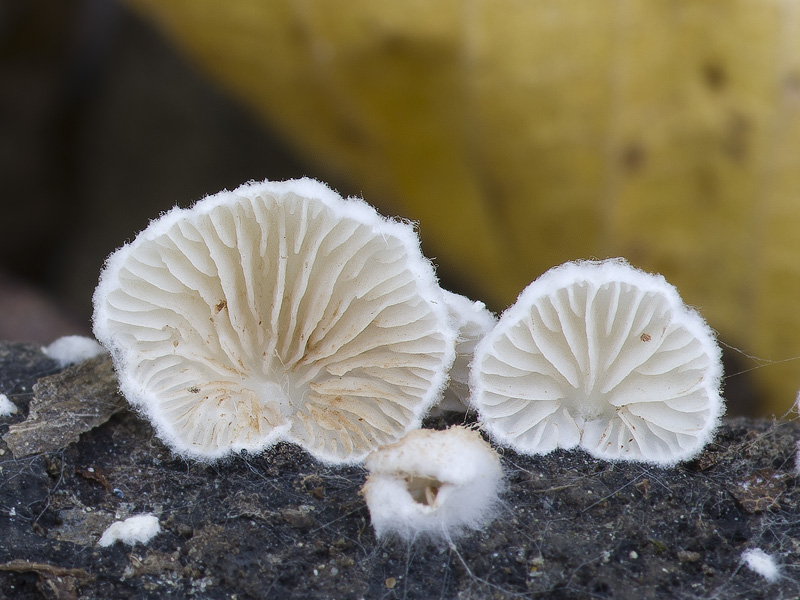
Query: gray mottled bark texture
x=280 y=525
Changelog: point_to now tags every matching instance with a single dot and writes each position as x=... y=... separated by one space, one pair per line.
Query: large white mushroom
x=600 y=355
x=276 y=311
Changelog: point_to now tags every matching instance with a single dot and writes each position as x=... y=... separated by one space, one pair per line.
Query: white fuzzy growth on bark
x=138 y=529
x=433 y=484
x=73 y=349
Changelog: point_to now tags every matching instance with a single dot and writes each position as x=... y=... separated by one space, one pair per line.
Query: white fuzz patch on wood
x=602 y=356
x=433 y=484
x=762 y=563
x=136 y=529
x=73 y=349
x=7 y=407
x=277 y=311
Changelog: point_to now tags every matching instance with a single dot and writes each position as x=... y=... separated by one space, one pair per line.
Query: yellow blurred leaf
x=522 y=134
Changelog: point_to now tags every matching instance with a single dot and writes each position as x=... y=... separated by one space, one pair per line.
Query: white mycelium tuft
x=433 y=484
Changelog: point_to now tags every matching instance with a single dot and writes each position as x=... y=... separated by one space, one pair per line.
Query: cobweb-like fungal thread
x=276 y=311
x=603 y=356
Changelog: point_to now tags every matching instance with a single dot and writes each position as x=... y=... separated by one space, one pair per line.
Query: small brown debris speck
x=93 y=474
x=645 y=337
x=390 y=582
x=687 y=556
x=644 y=488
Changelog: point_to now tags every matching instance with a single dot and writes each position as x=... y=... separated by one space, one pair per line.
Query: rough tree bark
x=280 y=525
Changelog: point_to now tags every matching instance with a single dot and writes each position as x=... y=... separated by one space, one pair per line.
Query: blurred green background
x=519 y=134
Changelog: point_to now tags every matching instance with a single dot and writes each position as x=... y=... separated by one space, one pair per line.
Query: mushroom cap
x=432 y=483
x=7 y=407
x=473 y=321
x=600 y=355
x=277 y=311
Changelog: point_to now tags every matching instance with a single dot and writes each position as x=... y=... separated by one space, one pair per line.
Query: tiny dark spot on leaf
x=633 y=156
x=714 y=76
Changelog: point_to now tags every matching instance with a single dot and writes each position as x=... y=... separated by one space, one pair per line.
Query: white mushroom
x=473 y=321
x=797 y=455
x=603 y=356
x=433 y=484
x=276 y=311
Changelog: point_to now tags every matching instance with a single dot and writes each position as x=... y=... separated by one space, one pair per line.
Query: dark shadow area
x=102 y=127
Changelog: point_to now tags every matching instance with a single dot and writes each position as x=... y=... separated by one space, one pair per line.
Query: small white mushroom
x=276 y=311
x=472 y=321
x=433 y=484
x=600 y=355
